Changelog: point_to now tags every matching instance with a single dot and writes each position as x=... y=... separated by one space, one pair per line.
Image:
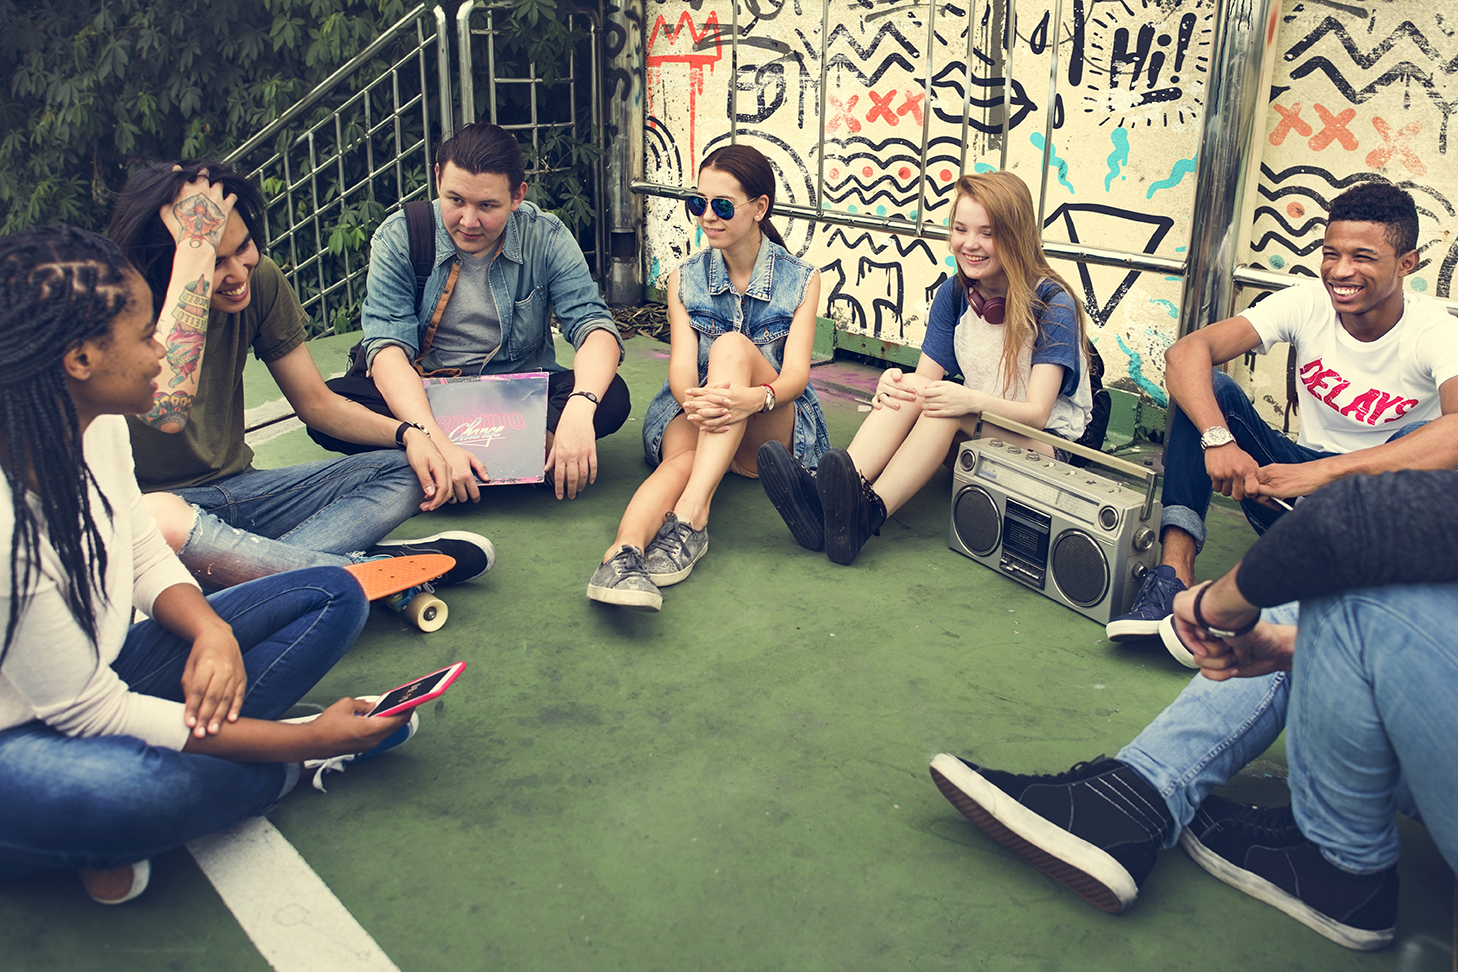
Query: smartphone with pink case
x=418 y=692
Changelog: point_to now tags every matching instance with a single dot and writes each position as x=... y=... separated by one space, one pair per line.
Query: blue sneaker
x=338 y=763
x=1153 y=603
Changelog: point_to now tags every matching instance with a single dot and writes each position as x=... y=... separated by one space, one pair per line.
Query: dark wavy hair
x=1380 y=202
x=137 y=228
x=755 y=176
x=481 y=147
x=59 y=286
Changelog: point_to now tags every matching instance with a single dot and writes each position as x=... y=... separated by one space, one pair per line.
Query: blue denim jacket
x=540 y=270
x=763 y=314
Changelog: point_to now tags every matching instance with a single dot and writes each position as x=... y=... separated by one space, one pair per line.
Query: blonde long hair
x=1015 y=234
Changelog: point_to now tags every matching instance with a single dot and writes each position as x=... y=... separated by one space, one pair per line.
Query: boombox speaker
x=1082 y=539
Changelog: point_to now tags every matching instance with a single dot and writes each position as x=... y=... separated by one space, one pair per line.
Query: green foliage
x=95 y=86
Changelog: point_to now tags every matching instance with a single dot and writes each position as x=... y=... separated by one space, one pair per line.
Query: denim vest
x=763 y=314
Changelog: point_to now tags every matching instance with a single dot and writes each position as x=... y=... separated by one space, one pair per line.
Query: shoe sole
x=839 y=490
x=1356 y=939
x=1174 y=645
x=786 y=494
x=633 y=600
x=1130 y=630
x=474 y=539
x=1096 y=877
x=668 y=580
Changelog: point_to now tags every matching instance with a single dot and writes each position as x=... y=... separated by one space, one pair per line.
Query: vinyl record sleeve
x=502 y=419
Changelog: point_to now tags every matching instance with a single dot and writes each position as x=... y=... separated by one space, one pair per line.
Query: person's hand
x=198 y=214
x=213 y=681
x=430 y=468
x=718 y=407
x=1232 y=471
x=1288 y=480
x=947 y=399
x=572 y=461
x=892 y=390
x=465 y=468
x=343 y=728
x=1266 y=648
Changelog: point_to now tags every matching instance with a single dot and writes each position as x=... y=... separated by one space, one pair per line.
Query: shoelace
x=1276 y=821
x=336 y=763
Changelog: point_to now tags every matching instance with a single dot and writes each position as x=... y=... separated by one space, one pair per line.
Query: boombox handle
x=1092 y=455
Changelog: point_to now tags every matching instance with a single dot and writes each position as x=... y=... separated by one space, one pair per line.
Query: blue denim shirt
x=540 y=270
x=763 y=314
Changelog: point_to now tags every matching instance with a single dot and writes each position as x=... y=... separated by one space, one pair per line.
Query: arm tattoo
x=184 y=349
x=200 y=218
x=170 y=411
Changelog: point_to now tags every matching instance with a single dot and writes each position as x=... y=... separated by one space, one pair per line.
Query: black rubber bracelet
x=400 y=432
x=587 y=395
x=1222 y=632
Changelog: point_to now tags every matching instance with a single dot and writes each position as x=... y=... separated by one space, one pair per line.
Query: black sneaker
x=1095 y=829
x=1261 y=851
x=473 y=553
x=853 y=511
x=1153 y=603
x=791 y=488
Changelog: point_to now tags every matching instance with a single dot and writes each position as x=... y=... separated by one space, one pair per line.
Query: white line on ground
x=287 y=910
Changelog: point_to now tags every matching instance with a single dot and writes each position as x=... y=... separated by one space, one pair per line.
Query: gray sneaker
x=671 y=555
x=624 y=582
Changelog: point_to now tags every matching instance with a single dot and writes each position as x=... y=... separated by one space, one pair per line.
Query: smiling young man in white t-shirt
x=1373 y=363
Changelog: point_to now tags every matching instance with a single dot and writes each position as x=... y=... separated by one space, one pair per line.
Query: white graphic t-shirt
x=1354 y=395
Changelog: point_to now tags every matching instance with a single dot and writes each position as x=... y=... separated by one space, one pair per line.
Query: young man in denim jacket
x=502 y=268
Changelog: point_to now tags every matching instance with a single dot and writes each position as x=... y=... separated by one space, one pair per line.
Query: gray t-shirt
x=470 y=327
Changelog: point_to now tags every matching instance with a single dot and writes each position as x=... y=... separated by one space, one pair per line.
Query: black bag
x=420 y=225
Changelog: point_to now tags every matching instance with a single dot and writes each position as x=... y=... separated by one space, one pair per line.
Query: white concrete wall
x=1131 y=84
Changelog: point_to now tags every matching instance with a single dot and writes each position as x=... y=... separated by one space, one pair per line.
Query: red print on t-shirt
x=1325 y=384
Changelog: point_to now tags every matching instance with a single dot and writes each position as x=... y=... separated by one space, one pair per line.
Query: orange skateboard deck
x=394 y=575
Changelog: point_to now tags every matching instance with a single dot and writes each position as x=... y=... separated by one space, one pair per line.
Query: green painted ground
x=738 y=783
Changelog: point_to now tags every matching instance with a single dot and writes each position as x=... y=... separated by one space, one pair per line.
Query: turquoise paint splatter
x=880 y=210
x=1181 y=249
x=950 y=261
x=1119 y=156
x=1419 y=284
x=850 y=209
x=982 y=167
x=1136 y=374
x=1173 y=311
x=1176 y=175
x=1037 y=139
x=654 y=271
x=1277 y=261
x=913 y=214
x=698 y=235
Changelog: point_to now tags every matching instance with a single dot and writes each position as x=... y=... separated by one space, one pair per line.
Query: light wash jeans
x=1373 y=692
x=105 y=801
x=314 y=514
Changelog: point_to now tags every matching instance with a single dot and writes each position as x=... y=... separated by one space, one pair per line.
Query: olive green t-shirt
x=211 y=445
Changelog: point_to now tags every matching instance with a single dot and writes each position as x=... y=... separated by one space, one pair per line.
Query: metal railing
x=541 y=115
x=369 y=152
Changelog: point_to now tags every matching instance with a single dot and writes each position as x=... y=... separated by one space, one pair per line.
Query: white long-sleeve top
x=52 y=672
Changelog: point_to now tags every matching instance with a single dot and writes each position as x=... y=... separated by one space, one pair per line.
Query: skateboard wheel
x=426 y=612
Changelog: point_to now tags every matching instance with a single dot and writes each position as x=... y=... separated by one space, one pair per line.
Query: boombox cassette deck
x=1080 y=538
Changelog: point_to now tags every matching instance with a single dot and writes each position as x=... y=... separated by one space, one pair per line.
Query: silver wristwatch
x=1215 y=435
x=769 y=398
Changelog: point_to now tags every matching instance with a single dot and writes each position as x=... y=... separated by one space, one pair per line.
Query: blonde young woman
x=1006 y=322
x=742 y=314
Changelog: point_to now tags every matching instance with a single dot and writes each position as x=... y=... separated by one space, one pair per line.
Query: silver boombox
x=1082 y=539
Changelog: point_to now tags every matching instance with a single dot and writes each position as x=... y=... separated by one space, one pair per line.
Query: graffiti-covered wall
x=1359 y=90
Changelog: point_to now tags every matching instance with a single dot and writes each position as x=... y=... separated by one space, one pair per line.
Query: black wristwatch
x=400 y=432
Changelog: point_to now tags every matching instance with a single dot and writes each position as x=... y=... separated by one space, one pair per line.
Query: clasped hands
x=1235 y=473
x=1266 y=648
x=938 y=399
x=718 y=407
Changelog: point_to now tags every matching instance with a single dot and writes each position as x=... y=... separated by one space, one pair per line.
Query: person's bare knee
x=174 y=515
x=731 y=351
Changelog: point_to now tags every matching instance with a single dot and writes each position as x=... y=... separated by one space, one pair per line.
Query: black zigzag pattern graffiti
x=1406 y=30
x=888 y=32
x=1259 y=246
x=912 y=245
x=1302 y=230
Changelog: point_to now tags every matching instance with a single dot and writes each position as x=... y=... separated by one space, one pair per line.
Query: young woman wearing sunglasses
x=1006 y=322
x=742 y=314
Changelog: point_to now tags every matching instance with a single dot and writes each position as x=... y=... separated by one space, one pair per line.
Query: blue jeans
x=1213 y=729
x=1187 y=488
x=314 y=514
x=105 y=801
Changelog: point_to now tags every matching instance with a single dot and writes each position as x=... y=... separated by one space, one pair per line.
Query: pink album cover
x=500 y=418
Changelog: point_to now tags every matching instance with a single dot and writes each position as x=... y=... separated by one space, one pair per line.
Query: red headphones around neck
x=993 y=310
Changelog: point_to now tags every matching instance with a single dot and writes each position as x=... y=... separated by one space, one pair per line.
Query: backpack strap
x=420 y=224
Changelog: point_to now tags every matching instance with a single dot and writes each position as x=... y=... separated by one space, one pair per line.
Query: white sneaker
x=1174 y=645
x=338 y=763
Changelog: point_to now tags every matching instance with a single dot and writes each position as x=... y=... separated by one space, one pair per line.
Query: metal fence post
x=624 y=155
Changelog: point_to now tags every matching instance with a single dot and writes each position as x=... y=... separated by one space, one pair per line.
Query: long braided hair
x=59 y=286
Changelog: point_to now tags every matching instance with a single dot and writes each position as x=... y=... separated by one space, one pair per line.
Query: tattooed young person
x=196 y=231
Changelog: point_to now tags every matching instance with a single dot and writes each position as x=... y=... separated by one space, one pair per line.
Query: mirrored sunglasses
x=723 y=208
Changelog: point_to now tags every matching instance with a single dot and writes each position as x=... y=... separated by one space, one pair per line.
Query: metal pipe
x=1010 y=29
x=468 y=61
x=819 y=199
x=1246 y=275
x=1054 y=26
x=966 y=88
x=733 y=74
x=443 y=80
x=1234 y=96
x=312 y=98
x=926 y=111
x=904 y=227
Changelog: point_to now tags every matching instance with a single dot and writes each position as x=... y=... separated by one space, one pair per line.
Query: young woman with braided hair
x=107 y=729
